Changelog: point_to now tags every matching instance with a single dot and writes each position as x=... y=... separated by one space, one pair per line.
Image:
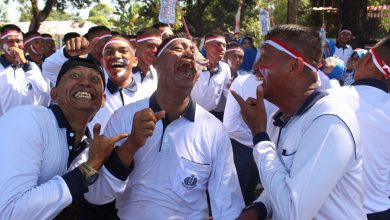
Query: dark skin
x=79 y=111
x=177 y=75
x=287 y=86
x=366 y=69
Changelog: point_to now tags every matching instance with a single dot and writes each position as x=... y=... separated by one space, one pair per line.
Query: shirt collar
x=219 y=69
x=113 y=88
x=372 y=82
x=189 y=112
x=339 y=46
x=4 y=61
x=61 y=120
x=311 y=100
x=147 y=75
x=279 y=121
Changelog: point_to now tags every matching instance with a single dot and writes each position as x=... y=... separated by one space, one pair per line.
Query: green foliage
x=102 y=14
x=55 y=15
x=3 y=12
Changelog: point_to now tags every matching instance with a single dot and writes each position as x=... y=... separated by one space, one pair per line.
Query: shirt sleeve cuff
x=27 y=66
x=261 y=136
x=116 y=168
x=66 y=54
x=76 y=184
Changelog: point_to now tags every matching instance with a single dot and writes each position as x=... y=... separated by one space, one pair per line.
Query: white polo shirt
x=118 y=97
x=147 y=82
x=36 y=181
x=177 y=165
x=245 y=86
x=315 y=169
x=343 y=53
x=22 y=85
x=210 y=89
x=371 y=103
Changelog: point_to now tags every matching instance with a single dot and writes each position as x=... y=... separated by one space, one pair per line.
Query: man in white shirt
x=187 y=153
x=97 y=36
x=368 y=97
x=148 y=40
x=34 y=46
x=234 y=56
x=211 y=89
x=314 y=162
x=47 y=159
x=343 y=50
x=240 y=134
x=21 y=81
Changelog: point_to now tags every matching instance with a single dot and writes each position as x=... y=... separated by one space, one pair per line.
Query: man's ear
x=54 y=94
x=103 y=100
x=135 y=61
x=296 y=67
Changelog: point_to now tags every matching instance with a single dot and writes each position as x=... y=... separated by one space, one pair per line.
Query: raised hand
x=253 y=110
x=101 y=147
x=78 y=46
x=18 y=54
x=144 y=123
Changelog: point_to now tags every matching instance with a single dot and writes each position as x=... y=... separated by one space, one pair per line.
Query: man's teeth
x=83 y=95
x=117 y=64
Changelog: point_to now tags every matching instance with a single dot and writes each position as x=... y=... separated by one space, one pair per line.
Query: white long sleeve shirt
x=245 y=86
x=210 y=91
x=177 y=165
x=22 y=85
x=35 y=179
x=371 y=103
x=315 y=169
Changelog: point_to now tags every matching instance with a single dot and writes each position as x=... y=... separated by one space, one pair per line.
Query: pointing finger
x=238 y=98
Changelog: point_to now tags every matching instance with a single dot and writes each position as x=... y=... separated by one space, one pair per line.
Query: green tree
x=55 y=15
x=102 y=14
x=3 y=12
x=38 y=16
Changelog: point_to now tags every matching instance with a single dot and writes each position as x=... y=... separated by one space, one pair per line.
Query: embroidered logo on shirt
x=29 y=86
x=190 y=182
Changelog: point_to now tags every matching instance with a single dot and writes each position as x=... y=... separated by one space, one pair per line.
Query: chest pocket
x=218 y=84
x=191 y=177
x=287 y=158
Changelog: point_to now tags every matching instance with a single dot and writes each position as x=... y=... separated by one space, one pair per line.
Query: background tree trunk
x=292 y=6
x=39 y=16
x=353 y=16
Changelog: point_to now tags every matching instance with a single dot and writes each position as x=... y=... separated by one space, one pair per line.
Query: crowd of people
x=191 y=130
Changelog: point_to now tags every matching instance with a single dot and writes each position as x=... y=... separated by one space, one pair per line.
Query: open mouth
x=83 y=95
x=117 y=65
x=186 y=68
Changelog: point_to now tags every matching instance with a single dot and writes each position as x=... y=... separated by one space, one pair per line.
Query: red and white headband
x=118 y=40
x=148 y=37
x=104 y=36
x=11 y=33
x=380 y=64
x=218 y=39
x=132 y=39
x=169 y=43
x=238 y=49
x=33 y=37
x=165 y=32
x=281 y=46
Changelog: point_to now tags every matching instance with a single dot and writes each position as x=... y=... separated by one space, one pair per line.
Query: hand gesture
x=80 y=46
x=253 y=110
x=101 y=147
x=144 y=123
x=18 y=54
